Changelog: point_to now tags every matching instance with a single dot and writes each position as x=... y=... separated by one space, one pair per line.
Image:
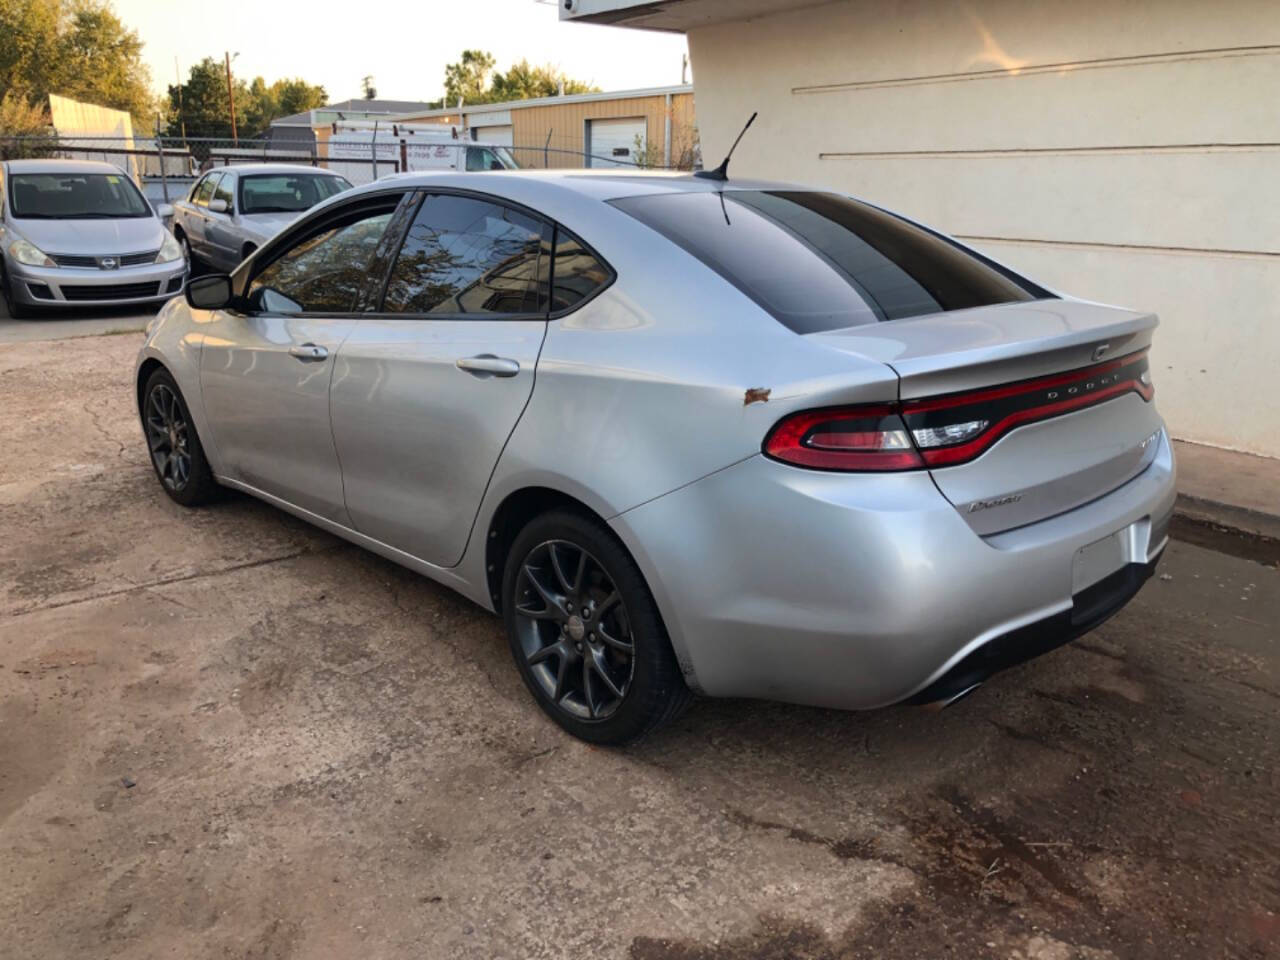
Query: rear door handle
x=308 y=352
x=487 y=365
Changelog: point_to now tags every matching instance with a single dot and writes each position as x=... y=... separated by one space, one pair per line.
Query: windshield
x=75 y=196
x=820 y=261
x=287 y=192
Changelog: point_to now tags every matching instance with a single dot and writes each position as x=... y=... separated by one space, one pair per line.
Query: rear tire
x=586 y=634
x=173 y=445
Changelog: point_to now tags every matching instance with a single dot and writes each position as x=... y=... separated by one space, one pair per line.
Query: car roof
x=595 y=184
x=250 y=169
x=62 y=166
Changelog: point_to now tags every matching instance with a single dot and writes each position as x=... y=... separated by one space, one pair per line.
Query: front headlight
x=170 y=250
x=24 y=251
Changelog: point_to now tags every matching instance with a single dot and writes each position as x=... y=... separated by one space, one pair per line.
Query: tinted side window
x=204 y=190
x=577 y=272
x=465 y=255
x=322 y=274
x=226 y=190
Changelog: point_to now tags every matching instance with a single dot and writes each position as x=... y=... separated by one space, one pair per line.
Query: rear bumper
x=857 y=591
x=72 y=287
x=1090 y=608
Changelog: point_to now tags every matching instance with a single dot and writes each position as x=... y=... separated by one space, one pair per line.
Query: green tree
x=468 y=79
x=295 y=95
x=201 y=103
x=524 y=81
x=472 y=78
x=76 y=48
x=20 y=119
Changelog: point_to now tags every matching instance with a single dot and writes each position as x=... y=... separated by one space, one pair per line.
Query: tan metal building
x=652 y=127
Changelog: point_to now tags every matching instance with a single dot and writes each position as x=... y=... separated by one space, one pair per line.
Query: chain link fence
x=166 y=167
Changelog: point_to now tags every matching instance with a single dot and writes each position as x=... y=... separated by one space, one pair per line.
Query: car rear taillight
x=844 y=438
x=947 y=430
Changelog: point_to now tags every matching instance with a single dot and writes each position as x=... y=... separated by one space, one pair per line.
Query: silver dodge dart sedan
x=80 y=234
x=684 y=435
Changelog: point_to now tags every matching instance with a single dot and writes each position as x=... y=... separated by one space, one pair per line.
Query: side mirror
x=218 y=206
x=212 y=292
x=164 y=211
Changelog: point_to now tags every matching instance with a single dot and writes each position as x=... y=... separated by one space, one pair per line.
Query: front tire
x=586 y=634
x=17 y=311
x=173 y=444
x=193 y=264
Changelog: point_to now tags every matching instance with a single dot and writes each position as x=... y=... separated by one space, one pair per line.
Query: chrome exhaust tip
x=937 y=706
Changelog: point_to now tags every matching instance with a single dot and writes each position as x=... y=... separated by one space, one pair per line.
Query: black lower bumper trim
x=1089 y=609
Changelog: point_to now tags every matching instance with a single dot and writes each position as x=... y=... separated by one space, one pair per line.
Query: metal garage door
x=502 y=134
x=612 y=143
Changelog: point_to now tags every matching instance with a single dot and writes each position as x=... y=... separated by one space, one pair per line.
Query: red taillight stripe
x=852 y=438
x=988 y=394
x=947 y=456
x=1132 y=365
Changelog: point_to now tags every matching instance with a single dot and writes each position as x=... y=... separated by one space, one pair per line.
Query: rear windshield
x=75 y=196
x=287 y=193
x=820 y=261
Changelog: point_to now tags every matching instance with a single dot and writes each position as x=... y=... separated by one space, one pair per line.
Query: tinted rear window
x=820 y=261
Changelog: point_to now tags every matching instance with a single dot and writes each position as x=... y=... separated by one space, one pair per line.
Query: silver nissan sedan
x=684 y=435
x=79 y=234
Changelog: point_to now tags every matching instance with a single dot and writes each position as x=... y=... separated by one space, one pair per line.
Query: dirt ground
x=225 y=734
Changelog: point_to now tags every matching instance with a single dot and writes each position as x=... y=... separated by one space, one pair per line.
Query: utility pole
x=182 y=114
x=231 y=98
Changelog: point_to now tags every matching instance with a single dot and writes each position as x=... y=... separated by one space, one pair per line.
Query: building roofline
x=468 y=108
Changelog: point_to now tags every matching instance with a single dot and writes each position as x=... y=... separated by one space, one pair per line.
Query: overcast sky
x=404 y=45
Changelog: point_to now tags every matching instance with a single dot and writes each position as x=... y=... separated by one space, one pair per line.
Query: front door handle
x=487 y=365
x=308 y=352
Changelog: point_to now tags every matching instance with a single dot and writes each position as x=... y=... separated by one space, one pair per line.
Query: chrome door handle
x=308 y=352
x=487 y=365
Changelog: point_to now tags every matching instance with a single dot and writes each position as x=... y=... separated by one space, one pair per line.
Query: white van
x=409 y=149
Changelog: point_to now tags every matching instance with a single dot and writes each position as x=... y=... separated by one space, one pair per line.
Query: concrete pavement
x=58 y=326
x=224 y=733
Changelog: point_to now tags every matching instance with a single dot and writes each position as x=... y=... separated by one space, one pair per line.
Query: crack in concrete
x=97 y=425
x=167 y=581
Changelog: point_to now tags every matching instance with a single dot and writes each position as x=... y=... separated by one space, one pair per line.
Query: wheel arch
x=521 y=506
x=145 y=369
x=513 y=514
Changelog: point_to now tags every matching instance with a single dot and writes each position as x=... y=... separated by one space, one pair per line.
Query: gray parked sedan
x=684 y=435
x=231 y=211
x=78 y=234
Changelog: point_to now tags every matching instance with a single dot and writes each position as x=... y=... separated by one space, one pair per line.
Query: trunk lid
x=1054 y=382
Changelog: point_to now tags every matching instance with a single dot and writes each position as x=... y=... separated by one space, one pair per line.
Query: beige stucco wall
x=1124 y=152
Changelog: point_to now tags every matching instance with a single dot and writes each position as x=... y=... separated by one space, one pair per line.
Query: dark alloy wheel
x=574 y=630
x=167 y=437
x=586 y=633
x=173 y=444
